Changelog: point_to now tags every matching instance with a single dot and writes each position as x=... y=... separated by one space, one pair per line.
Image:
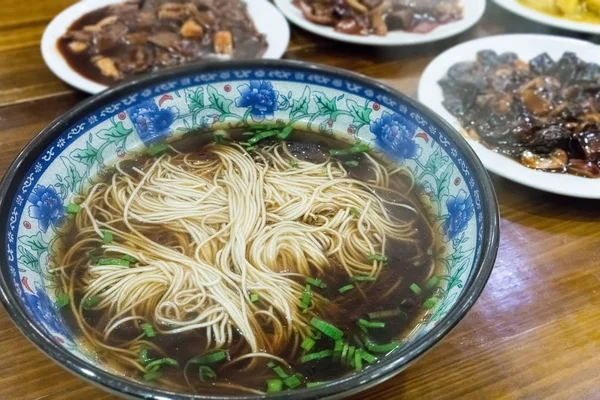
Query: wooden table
x=533 y=334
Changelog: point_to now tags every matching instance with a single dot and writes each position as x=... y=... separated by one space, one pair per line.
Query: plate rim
x=531 y=14
x=562 y=184
x=287 y=10
x=60 y=23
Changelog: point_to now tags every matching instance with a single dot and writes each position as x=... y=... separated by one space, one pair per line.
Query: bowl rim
x=388 y=367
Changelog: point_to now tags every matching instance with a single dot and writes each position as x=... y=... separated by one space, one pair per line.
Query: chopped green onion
x=210 y=358
x=344 y=289
x=107 y=237
x=150 y=376
x=337 y=350
x=129 y=258
x=429 y=303
x=387 y=314
x=316 y=356
x=144 y=357
x=306 y=298
x=380 y=348
x=415 y=288
x=352 y=163
x=294 y=164
x=354 y=212
x=262 y=135
x=280 y=372
x=310 y=385
x=292 y=381
x=358 y=360
x=148 y=330
x=206 y=373
x=371 y=324
x=368 y=357
x=254 y=297
x=357 y=148
x=316 y=282
x=350 y=355
x=271 y=364
x=274 y=385
x=316 y=335
x=156 y=149
x=61 y=301
x=378 y=257
x=357 y=340
x=155 y=365
x=327 y=328
x=218 y=137
x=113 y=261
x=308 y=343
x=90 y=302
x=432 y=282
x=285 y=132
x=363 y=278
x=344 y=353
x=73 y=208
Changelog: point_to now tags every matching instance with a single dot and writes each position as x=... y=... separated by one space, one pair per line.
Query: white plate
x=266 y=17
x=537 y=16
x=527 y=47
x=473 y=11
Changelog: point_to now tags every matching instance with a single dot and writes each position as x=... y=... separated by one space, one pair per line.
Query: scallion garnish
x=415 y=288
x=90 y=302
x=344 y=353
x=144 y=357
x=274 y=385
x=350 y=356
x=285 y=132
x=378 y=257
x=157 y=148
x=210 y=358
x=363 y=278
x=129 y=258
x=308 y=343
x=148 y=330
x=150 y=376
x=371 y=324
x=316 y=356
x=219 y=137
x=354 y=212
x=316 y=282
x=327 y=328
x=280 y=372
x=313 y=384
x=294 y=164
x=357 y=148
x=368 y=357
x=352 y=163
x=306 y=298
x=262 y=135
x=62 y=300
x=432 y=282
x=206 y=373
x=358 y=360
x=429 y=303
x=271 y=364
x=113 y=261
x=254 y=297
x=73 y=208
x=344 y=289
x=155 y=365
x=337 y=350
x=292 y=381
x=379 y=348
x=107 y=237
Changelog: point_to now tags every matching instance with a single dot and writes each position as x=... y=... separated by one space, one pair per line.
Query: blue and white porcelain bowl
x=85 y=142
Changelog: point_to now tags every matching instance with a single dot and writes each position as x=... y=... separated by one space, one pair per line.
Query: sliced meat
x=166 y=40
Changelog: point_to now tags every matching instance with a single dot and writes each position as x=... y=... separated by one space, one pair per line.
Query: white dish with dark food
x=528 y=104
x=574 y=15
x=383 y=22
x=95 y=44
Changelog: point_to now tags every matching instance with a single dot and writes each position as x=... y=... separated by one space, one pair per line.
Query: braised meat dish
x=119 y=41
x=544 y=113
x=365 y=17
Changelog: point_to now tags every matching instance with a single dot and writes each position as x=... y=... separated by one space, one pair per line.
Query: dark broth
x=408 y=263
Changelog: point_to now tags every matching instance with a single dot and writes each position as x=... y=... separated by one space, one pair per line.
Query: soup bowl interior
x=82 y=146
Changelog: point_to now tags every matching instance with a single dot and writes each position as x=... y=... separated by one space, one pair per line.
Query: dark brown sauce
x=125 y=42
x=408 y=263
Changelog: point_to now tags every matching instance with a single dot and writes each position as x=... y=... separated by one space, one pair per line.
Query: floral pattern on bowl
x=225 y=97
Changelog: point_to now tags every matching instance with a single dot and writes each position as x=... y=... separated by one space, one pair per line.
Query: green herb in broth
x=338 y=296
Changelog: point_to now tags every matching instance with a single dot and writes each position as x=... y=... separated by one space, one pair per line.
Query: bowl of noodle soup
x=244 y=229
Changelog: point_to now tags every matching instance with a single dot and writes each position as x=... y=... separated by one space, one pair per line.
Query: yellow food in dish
x=575 y=10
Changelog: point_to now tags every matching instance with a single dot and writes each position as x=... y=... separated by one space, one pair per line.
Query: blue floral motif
x=460 y=211
x=395 y=135
x=47 y=207
x=150 y=121
x=260 y=98
x=44 y=311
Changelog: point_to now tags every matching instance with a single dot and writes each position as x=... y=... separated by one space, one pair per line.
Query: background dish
x=451 y=179
x=266 y=18
x=473 y=11
x=526 y=47
x=536 y=16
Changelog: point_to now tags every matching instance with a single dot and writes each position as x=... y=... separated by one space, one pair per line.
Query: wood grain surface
x=533 y=334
